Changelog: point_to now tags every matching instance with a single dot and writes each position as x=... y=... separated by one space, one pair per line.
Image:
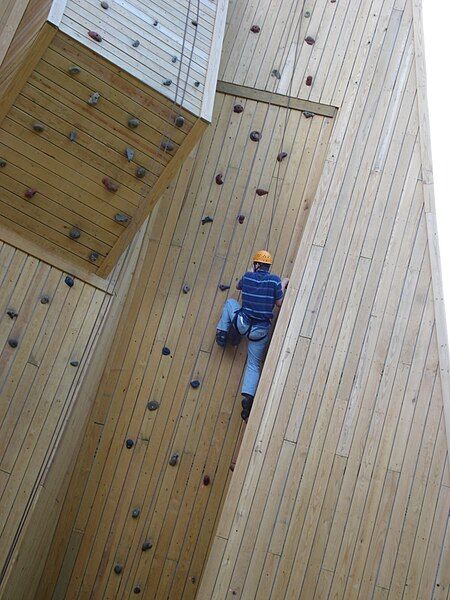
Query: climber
x=261 y=291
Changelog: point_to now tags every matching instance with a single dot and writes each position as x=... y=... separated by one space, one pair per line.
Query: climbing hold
x=118 y=569
x=129 y=153
x=255 y=136
x=104 y=4
x=179 y=121
x=152 y=405
x=72 y=136
x=308 y=114
x=307 y=14
x=136 y=43
x=174 y=459
x=193 y=579
x=110 y=185
x=309 y=80
x=194 y=22
x=74 y=70
x=167 y=82
x=74 y=363
x=167 y=145
x=74 y=233
x=140 y=172
x=310 y=41
x=137 y=589
x=166 y=351
x=186 y=289
x=255 y=28
x=155 y=22
x=174 y=59
x=38 y=127
x=241 y=218
x=146 y=546
x=332 y=1
x=133 y=122
x=238 y=108
x=261 y=192
x=223 y=287
x=206 y=480
x=219 y=179
x=276 y=73
x=12 y=314
x=281 y=156
x=45 y=300
x=121 y=218
x=94 y=98
x=69 y=281
x=129 y=443
x=94 y=256
x=197 y=83
x=95 y=36
x=30 y=192
x=13 y=343
x=136 y=512
x=207 y=219
x=2 y=162
x=195 y=383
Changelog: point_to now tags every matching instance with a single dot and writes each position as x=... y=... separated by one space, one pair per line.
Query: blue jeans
x=255 y=350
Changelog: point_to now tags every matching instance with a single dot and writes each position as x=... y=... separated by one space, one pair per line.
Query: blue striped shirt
x=260 y=290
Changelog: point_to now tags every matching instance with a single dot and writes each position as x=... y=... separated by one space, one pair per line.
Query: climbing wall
x=132 y=521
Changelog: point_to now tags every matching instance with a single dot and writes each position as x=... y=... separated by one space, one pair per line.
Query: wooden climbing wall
x=178 y=507
x=342 y=485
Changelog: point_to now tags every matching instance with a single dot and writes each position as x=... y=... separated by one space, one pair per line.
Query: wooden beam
x=214 y=60
x=242 y=91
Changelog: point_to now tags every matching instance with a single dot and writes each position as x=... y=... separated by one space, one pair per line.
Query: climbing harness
x=248 y=327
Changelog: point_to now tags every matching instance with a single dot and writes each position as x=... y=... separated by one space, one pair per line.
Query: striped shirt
x=260 y=290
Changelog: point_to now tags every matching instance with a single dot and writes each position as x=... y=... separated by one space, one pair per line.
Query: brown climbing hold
x=174 y=459
x=94 y=256
x=281 y=156
x=206 y=480
x=30 y=192
x=179 y=121
x=255 y=136
x=255 y=28
x=238 y=108
x=133 y=122
x=241 y=219
x=110 y=185
x=310 y=41
x=167 y=145
x=74 y=70
x=95 y=36
x=140 y=172
x=219 y=179
x=261 y=192
x=94 y=99
x=38 y=127
x=74 y=233
x=309 y=80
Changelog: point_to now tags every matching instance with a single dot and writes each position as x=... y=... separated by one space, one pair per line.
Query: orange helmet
x=262 y=256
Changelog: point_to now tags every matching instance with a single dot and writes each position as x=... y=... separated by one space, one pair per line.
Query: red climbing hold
x=95 y=36
x=309 y=80
x=30 y=193
x=310 y=41
x=238 y=108
x=281 y=156
x=110 y=185
x=255 y=28
x=219 y=179
x=261 y=192
x=206 y=480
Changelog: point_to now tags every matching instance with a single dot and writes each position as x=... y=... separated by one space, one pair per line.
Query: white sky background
x=436 y=16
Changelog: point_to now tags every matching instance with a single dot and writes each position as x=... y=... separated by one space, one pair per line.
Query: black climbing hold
x=223 y=287
x=74 y=70
x=136 y=43
x=179 y=121
x=104 y=4
x=193 y=579
x=310 y=41
x=72 y=136
x=155 y=22
x=94 y=99
x=45 y=300
x=137 y=589
x=133 y=122
x=173 y=459
x=74 y=363
x=12 y=314
x=281 y=156
x=118 y=569
x=146 y=546
x=308 y=114
x=129 y=153
x=219 y=179
x=94 y=256
x=206 y=480
x=174 y=59
x=166 y=351
x=241 y=218
x=167 y=145
x=135 y=513
x=255 y=28
x=195 y=383
x=121 y=218
x=238 y=108
x=194 y=22
x=197 y=83
x=140 y=172
x=74 y=233
x=13 y=343
x=95 y=36
x=261 y=192
x=186 y=289
x=152 y=405
x=276 y=73
x=2 y=162
x=30 y=193
x=207 y=219
x=39 y=127
x=167 y=82
x=129 y=444
x=255 y=136
x=110 y=185
x=307 y=14
x=69 y=281
x=309 y=80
